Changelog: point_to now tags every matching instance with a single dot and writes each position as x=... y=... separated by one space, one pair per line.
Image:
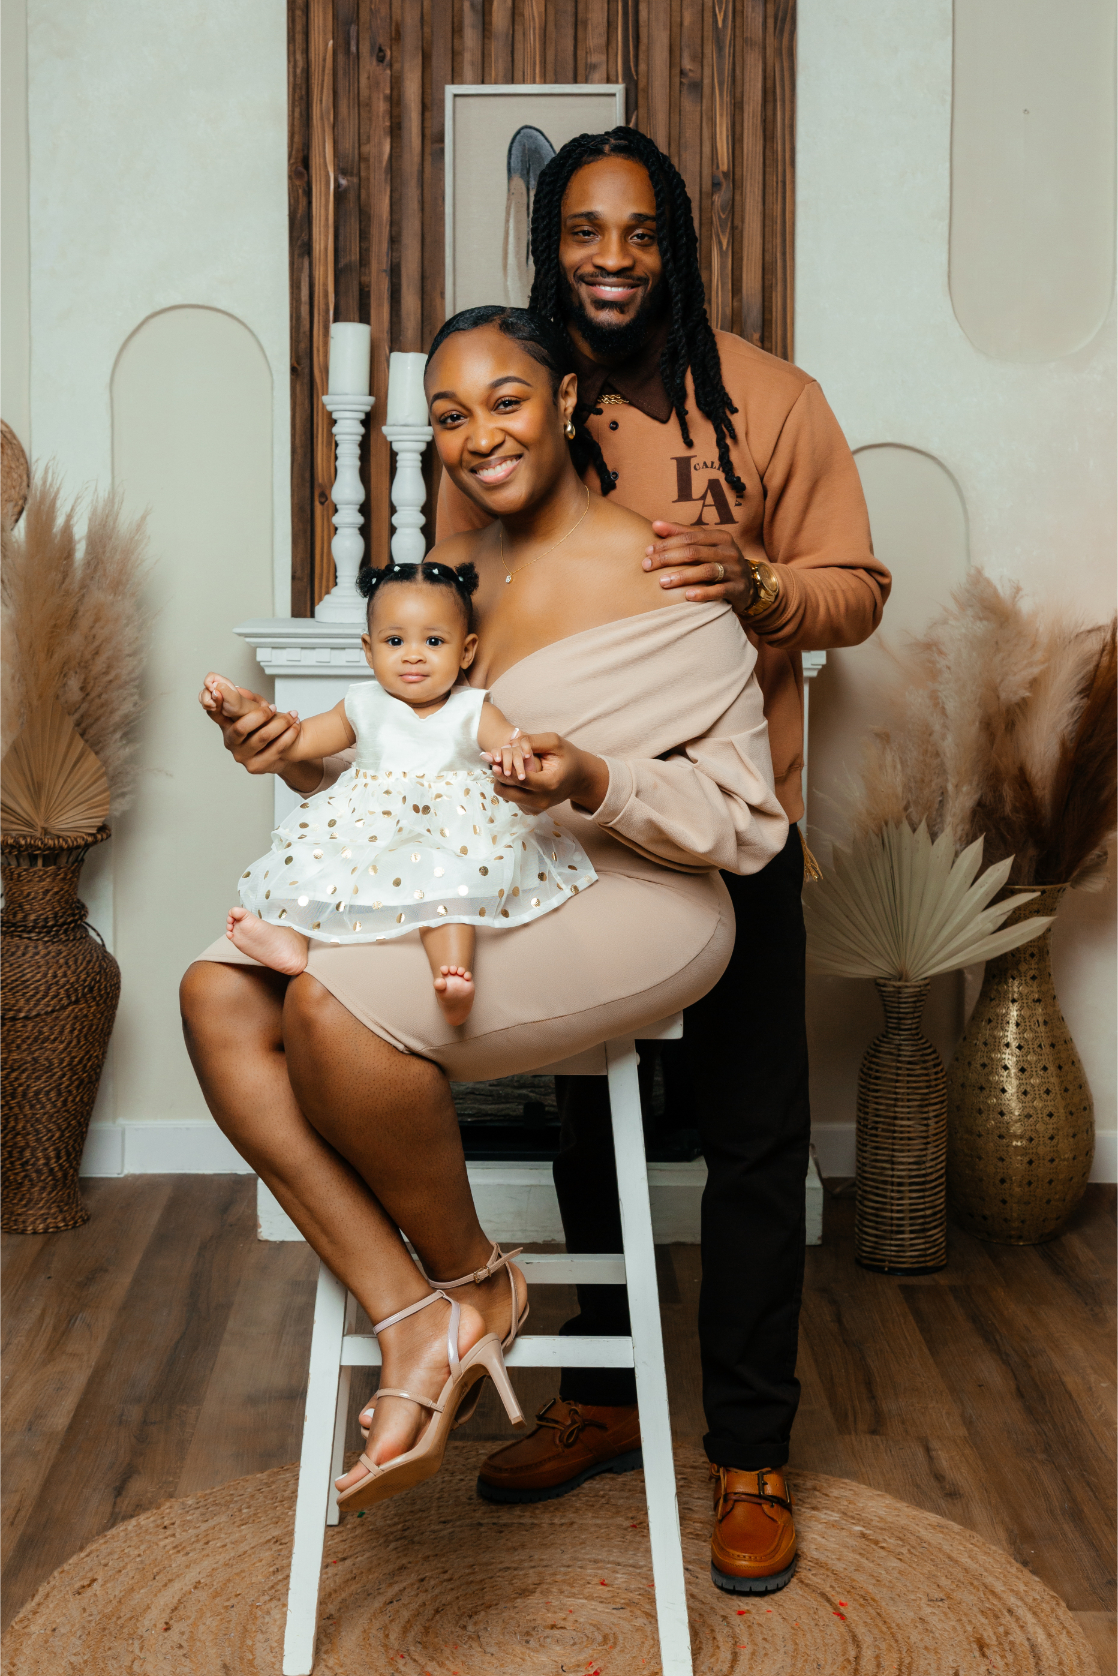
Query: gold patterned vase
x=1021 y=1121
x=900 y=1222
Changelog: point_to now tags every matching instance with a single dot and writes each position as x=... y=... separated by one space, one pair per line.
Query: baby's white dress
x=413 y=834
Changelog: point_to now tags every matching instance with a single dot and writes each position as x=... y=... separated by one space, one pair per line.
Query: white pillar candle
x=407 y=405
x=350 y=353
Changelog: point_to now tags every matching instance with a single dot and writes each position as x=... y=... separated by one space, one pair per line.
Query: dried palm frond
x=1005 y=728
x=50 y=780
x=74 y=624
x=896 y=905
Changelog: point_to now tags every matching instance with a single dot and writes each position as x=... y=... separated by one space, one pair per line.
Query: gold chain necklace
x=501 y=538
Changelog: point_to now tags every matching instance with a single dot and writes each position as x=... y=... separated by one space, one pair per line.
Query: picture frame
x=498 y=138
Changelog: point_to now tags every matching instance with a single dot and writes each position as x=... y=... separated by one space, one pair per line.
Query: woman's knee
x=219 y=998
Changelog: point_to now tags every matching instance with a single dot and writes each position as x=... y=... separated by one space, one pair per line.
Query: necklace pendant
x=508 y=579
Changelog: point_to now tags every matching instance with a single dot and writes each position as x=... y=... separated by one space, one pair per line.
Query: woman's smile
x=493 y=472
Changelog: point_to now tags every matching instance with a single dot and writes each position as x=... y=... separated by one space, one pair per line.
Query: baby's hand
x=516 y=758
x=221 y=698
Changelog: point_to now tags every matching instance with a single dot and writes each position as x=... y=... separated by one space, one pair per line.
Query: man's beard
x=620 y=341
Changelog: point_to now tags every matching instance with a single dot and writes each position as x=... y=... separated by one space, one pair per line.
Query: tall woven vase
x=901 y=1219
x=58 y=993
x=1021 y=1120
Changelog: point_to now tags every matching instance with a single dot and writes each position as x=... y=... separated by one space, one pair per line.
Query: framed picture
x=498 y=140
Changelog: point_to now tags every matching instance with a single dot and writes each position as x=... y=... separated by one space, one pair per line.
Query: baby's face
x=417 y=641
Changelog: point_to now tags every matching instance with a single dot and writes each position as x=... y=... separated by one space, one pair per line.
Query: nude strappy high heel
x=496 y=1261
x=425 y=1457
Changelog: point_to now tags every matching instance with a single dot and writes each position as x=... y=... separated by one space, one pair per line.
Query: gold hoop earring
x=570 y=431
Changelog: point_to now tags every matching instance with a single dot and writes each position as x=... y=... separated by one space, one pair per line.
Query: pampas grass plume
x=74 y=625
x=1005 y=729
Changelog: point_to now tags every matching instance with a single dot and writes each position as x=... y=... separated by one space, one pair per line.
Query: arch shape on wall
x=918 y=520
x=192 y=441
x=1031 y=267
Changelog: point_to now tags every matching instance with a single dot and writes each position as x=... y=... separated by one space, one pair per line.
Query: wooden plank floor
x=161 y=1350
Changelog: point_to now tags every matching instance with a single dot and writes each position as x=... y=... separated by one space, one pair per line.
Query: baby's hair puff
x=462 y=580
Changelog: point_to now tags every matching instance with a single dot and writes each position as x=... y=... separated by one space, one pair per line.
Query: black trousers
x=739 y=1076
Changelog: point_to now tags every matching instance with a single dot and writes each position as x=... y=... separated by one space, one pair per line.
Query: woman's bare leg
x=450 y=954
x=412 y=1145
x=235 y=1019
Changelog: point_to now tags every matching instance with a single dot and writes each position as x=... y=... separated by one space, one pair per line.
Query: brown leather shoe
x=753 y=1549
x=571 y=1442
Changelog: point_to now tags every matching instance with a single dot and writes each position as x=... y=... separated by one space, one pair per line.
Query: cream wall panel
x=1030 y=447
x=15 y=277
x=192 y=438
x=158 y=177
x=1032 y=179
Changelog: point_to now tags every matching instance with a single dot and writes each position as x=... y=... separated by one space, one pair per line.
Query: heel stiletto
x=496 y=1261
x=425 y=1457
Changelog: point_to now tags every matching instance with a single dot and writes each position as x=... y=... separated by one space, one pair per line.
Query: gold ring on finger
x=721 y=572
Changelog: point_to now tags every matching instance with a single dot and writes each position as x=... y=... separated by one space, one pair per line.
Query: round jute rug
x=439 y=1583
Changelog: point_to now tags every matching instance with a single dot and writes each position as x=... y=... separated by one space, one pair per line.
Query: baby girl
x=414 y=837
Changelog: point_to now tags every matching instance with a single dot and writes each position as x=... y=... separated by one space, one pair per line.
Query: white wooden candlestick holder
x=343 y=604
x=408 y=491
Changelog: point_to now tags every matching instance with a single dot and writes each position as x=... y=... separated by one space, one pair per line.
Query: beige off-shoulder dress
x=670 y=701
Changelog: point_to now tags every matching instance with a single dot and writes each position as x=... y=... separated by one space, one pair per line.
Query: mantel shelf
x=302 y=645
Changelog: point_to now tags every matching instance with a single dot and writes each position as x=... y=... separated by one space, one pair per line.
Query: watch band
x=767 y=584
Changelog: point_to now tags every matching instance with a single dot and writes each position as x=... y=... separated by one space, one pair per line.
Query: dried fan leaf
x=895 y=905
x=50 y=780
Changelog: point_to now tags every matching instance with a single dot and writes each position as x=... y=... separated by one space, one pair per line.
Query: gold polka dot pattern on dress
x=481 y=913
x=440 y=909
x=483 y=871
x=535 y=901
x=246 y=875
x=397 y=881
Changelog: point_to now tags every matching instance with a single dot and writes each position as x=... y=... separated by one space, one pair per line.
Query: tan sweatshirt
x=803 y=510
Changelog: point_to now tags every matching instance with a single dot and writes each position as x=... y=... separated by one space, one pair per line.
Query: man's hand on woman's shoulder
x=706 y=561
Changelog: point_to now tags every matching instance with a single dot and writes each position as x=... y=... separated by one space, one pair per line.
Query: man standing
x=753 y=493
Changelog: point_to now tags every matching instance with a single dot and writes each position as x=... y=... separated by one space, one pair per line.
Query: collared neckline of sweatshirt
x=803 y=510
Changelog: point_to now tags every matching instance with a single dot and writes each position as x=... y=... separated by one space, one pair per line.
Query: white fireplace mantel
x=312 y=662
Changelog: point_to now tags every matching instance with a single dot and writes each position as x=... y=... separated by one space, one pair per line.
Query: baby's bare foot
x=276 y=946
x=454 y=991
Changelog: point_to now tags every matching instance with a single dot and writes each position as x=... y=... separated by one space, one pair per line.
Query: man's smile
x=610 y=290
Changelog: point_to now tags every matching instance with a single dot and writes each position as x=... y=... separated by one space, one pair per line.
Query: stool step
x=531 y=1351
x=582 y=1269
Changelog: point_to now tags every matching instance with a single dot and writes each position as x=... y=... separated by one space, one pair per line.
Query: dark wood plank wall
x=712 y=82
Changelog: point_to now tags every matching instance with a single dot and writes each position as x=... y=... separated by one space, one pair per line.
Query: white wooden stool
x=336 y=1348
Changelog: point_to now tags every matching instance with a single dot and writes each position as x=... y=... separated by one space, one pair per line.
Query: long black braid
x=691 y=342
x=551 y=347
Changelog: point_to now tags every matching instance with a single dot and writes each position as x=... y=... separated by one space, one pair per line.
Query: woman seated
x=650 y=755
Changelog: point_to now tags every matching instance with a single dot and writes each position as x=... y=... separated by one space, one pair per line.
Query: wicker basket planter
x=58 y=995
x=901 y=1218
x=1021 y=1120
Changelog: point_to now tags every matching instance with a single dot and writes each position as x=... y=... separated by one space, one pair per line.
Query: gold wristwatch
x=767 y=586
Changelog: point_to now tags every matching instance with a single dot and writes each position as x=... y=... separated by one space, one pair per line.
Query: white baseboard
x=190 y=1148
x=834 y=1148
x=198 y=1147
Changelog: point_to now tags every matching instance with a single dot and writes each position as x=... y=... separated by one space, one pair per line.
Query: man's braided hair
x=690 y=341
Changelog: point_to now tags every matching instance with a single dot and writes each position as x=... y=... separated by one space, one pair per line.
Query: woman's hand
x=564 y=774
x=692 y=558
x=516 y=759
x=260 y=737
